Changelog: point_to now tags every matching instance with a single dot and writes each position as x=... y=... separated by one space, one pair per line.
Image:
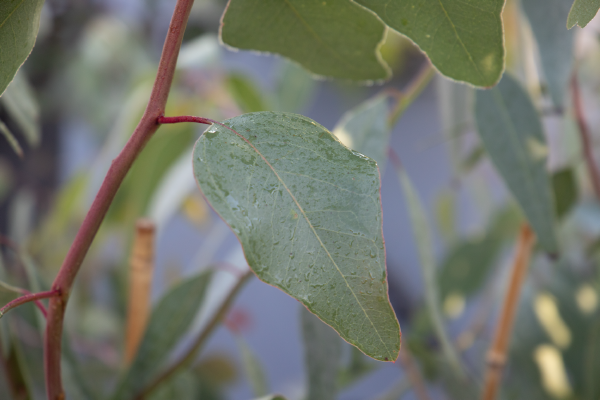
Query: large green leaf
x=322 y=356
x=308 y=214
x=169 y=320
x=555 y=43
x=335 y=38
x=365 y=128
x=463 y=39
x=582 y=12
x=19 y=25
x=511 y=132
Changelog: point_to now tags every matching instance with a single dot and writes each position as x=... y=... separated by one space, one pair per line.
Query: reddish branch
x=185 y=118
x=586 y=139
x=118 y=169
x=35 y=297
x=497 y=354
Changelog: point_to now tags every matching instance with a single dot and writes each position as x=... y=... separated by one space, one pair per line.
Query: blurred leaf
x=169 y=320
x=295 y=88
x=272 y=397
x=423 y=239
x=365 y=129
x=322 y=356
x=565 y=191
x=455 y=104
x=200 y=52
x=473 y=158
x=181 y=387
x=12 y=141
x=19 y=25
x=336 y=38
x=591 y=389
x=445 y=208
x=462 y=39
x=253 y=369
x=359 y=366
x=511 y=132
x=21 y=105
x=582 y=12
x=396 y=391
x=245 y=93
x=324 y=250
x=467 y=265
x=555 y=43
x=217 y=369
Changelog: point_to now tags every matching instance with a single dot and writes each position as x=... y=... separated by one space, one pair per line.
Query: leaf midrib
x=390 y=355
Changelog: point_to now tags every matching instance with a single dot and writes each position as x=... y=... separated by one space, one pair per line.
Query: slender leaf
x=182 y=386
x=335 y=38
x=253 y=368
x=170 y=319
x=582 y=12
x=463 y=39
x=307 y=212
x=21 y=104
x=294 y=88
x=565 y=191
x=12 y=141
x=322 y=356
x=245 y=93
x=511 y=132
x=423 y=237
x=19 y=25
x=555 y=43
x=365 y=129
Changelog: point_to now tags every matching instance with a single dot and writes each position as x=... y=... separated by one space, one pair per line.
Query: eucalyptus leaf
x=565 y=191
x=463 y=39
x=11 y=139
x=182 y=386
x=19 y=25
x=511 y=132
x=582 y=12
x=245 y=93
x=22 y=107
x=555 y=43
x=365 y=129
x=307 y=212
x=322 y=356
x=334 y=38
x=253 y=368
x=169 y=320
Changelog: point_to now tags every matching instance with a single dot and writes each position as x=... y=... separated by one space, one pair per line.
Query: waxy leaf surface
x=463 y=39
x=582 y=12
x=555 y=43
x=19 y=25
x=307 y=212
x=511 y=132
x=334 y=38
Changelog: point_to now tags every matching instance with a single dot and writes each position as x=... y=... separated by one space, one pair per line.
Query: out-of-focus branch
x=35 y=297
x=586 y=139
x=413 y=374
x=497 y=354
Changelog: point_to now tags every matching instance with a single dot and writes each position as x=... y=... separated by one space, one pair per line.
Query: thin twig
x=497 y=355
x=191 y=353
x=414 y=89
x=413 y=374
x=118 y=169
x=184 y=118
x=35 y=297
x=586 y=139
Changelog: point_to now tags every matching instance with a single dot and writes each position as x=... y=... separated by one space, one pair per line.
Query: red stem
x=184 y=118
x=118 y=169
x=35 y=297
x=586 y=140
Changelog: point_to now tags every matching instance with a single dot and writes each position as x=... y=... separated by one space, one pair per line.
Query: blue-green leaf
x=582 y=12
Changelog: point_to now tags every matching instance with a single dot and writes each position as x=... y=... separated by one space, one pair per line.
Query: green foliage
x=169 y=320
x=511 y=132
x=317 y=248
x=322 y=353
x=19 y=24
x=253 y=368
x=335 y=38
x=555 y=43
x=582 y=12
x=565 y=191
x=463 y=39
